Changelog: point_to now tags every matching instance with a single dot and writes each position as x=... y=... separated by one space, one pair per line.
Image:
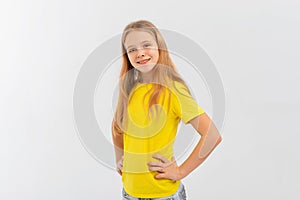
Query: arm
x=210 y=138
x=119 y=148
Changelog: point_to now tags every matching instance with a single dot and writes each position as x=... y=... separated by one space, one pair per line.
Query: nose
x=140 y=53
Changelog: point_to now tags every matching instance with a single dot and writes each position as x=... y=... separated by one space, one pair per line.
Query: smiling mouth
x=144 y=61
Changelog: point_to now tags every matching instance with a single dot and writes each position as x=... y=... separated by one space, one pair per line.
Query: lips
x=144 y=61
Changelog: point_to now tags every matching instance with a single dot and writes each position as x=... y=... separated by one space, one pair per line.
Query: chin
x=145 y=69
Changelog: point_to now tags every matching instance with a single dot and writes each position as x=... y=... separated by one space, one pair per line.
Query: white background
x=253 y=44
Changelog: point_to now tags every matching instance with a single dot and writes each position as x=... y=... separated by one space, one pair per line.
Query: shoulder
x=179 y=88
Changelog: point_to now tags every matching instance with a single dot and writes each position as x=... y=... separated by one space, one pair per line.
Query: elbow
x=219 y=139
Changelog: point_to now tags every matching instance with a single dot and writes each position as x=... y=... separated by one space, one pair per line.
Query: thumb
x=161 y=175
x=173 y=159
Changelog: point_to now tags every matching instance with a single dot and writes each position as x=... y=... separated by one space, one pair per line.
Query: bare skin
x=210 y=138
x=141 y=46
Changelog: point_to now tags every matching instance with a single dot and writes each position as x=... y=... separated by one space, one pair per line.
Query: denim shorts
x=179 y=195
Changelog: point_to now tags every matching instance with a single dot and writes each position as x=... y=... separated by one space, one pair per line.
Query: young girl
x=153 y=98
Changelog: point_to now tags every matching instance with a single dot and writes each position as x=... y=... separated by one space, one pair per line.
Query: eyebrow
x=141 y=43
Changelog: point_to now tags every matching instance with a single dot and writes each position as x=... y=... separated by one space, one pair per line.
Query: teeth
x=143 y=61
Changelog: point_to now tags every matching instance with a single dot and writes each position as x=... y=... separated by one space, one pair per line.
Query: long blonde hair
x=163 y=72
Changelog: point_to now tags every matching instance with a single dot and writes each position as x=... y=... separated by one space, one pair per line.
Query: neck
x=147 y=77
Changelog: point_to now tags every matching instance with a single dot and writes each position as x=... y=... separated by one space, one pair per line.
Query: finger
x=159 y=176
x=173 y=159
x=119 y=172
x=155 y=164
x=156 y=169
x=120 y=167
x=161 y=158
x=119 y=163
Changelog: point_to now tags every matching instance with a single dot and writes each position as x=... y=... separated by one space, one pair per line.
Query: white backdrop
x=253 y=44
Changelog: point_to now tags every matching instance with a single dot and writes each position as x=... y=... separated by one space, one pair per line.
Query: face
x=142 y=50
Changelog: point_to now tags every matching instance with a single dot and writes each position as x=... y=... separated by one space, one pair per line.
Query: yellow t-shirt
x=145 y=136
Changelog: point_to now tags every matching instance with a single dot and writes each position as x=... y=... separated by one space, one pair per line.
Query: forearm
x=202 y=150
x=118 y=153
x=118 y=146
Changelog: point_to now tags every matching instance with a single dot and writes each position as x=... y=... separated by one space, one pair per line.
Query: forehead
x=134 y=38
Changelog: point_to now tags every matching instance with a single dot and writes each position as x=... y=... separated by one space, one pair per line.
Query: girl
x=153 y=98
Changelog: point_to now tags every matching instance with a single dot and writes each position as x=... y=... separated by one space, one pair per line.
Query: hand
x=120 y=165
x=167 y=169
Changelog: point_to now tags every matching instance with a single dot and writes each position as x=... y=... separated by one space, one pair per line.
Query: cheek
x=131 y=58
x=155 y=54
x=152 y=52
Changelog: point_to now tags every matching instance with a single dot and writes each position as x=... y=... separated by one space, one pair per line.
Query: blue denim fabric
x=179 y=195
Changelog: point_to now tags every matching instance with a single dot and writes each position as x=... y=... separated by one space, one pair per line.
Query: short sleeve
x=184 y=105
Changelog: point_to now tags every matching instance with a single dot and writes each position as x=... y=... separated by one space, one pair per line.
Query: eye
x=147 y=45
x=131 y=50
